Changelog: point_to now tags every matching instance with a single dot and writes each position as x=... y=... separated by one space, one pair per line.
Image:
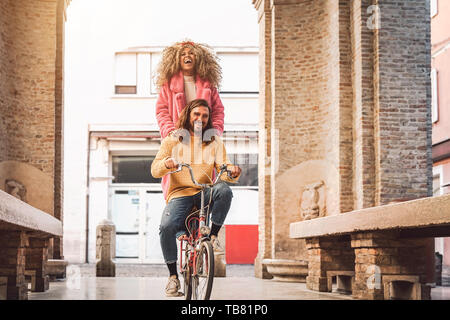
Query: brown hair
x=185 y=117
x=207 y=66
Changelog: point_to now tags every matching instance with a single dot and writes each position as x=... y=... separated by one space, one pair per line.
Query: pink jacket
x=172 y=100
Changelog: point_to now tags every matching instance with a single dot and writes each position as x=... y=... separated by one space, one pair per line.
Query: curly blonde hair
x=207 y=66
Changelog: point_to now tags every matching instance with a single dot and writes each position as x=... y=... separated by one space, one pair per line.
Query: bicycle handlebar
x=222 y=168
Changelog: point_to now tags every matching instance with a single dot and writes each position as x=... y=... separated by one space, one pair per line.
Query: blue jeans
x=173 y=218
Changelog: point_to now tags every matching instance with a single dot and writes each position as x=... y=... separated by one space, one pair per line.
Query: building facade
x=440 y=76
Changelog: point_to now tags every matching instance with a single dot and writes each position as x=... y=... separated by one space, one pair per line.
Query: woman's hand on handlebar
x=234 y=171
x=171 y=163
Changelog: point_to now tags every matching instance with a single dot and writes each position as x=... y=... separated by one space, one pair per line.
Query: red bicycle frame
x=191 y=240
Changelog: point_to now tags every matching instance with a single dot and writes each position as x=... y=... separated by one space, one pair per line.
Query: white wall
x=95 y=31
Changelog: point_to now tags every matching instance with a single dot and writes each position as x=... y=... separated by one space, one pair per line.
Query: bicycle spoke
x=202 y=281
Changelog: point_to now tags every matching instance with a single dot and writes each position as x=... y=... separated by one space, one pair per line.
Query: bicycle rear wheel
x=203 y=280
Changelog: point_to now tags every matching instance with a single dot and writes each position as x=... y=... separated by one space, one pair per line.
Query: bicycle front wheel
x=203 y=280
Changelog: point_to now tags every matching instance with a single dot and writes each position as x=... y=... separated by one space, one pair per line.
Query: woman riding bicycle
x=196 y=144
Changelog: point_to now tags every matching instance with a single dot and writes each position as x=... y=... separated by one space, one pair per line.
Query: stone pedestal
x=56 y=269
x=287 y=270
x=383 y=256
x=325 y=255
x=105 y=249
x=36 y=260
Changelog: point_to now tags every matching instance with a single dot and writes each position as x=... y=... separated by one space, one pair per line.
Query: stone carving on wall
x=16 y=189
x=312 y=201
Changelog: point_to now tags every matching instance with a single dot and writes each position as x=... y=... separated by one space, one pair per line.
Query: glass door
x=125 y=213
x=136 y=212
x=154 y=206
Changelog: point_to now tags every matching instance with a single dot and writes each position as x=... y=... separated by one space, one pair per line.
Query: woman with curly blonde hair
x=187 y=71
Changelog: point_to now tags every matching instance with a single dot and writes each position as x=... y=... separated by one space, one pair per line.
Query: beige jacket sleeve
x=159 y=168
x=222 y=158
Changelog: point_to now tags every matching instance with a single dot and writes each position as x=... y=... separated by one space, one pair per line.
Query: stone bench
x=384 y=246
x=24 y=235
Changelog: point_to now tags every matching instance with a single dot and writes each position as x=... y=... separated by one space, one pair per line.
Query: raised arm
x=222 y=158
x=165 y=121
x=159 y=168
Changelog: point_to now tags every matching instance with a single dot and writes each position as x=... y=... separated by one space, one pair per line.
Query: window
x=438 y=188
x=249 y=165
x=434 y=96
x=433 y=7
x=126 y=73
x=133 y=73
x=240 y=72
x=436 y=185
x=133 y=169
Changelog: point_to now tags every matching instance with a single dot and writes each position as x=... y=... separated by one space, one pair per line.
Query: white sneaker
x=172 y=287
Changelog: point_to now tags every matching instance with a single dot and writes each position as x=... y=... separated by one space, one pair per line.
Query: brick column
x=59 y=119
x=36 y=261
x=363 y=104
x=402 y=89
x=305 y=108
x=12 y=263
x=264 y=164
x=384 y=254
x=327 y=254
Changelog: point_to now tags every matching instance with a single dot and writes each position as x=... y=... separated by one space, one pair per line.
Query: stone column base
x=12 y=264
x=36 y=263
x=325 y=255
x=382 y=260
x=105 y=268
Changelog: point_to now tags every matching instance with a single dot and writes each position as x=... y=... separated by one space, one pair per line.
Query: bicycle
x=197 y=267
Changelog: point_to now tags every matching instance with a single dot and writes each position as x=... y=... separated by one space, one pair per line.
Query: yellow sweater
x=211 y=156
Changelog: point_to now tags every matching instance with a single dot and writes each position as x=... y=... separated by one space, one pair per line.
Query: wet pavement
x=147 y=282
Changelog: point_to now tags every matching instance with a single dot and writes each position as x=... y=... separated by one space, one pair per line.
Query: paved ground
x=147 y=282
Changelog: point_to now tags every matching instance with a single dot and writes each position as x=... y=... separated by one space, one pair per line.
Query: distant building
x=440 y=76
